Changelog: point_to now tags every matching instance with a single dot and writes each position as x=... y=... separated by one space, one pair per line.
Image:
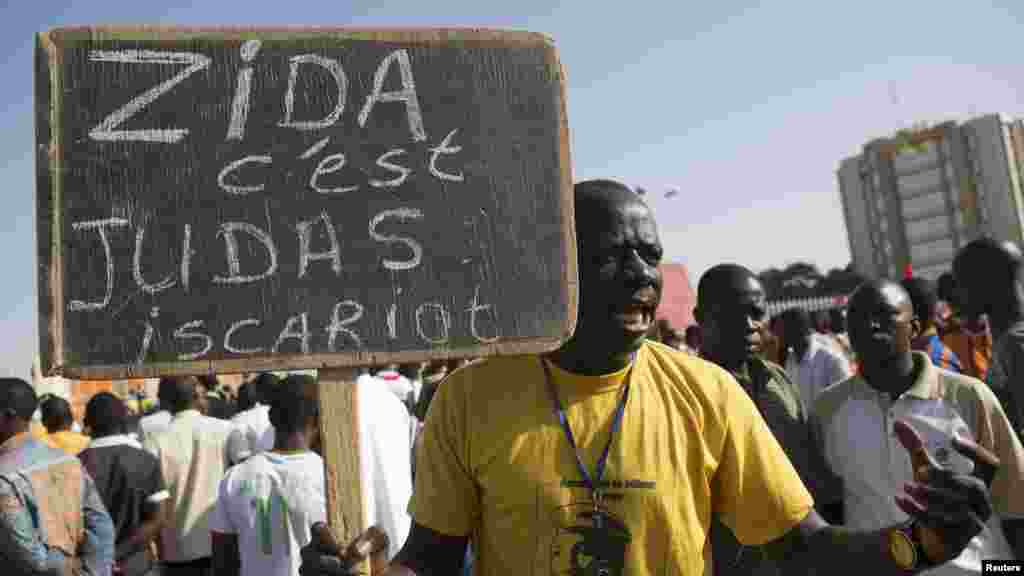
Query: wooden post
x=339 y=430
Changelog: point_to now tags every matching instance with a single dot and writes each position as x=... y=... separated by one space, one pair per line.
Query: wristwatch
x=906 y=547
x=902 y=548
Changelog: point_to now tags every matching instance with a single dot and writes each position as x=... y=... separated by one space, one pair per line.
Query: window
x=920 y=182
x=924 y=206
x=932 y=252
x=925 y=230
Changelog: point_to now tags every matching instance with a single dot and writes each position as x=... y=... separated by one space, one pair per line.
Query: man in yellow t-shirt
x=665 y=441
x=58 y=420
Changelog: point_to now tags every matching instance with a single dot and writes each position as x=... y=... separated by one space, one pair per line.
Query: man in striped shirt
x=925 y=301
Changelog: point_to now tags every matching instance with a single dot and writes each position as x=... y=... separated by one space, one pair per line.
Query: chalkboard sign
x=241 y=199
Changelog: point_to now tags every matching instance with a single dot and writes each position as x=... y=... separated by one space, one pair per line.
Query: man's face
x=733 y=321
x=881 y=326
x=620 y=284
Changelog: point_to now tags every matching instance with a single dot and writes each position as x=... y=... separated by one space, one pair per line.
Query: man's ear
x=915 y=328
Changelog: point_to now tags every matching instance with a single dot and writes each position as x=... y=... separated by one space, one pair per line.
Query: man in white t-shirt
x=267 y=503
x=385 y=441
x=252 y=431
x=815 y=363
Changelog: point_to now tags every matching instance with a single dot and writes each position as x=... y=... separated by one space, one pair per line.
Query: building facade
x=913 y=200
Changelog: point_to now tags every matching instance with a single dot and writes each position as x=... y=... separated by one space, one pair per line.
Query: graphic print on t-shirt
x=589 y=540
x=594 y=544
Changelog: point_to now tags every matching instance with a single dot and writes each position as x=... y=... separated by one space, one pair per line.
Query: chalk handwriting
x=305 y=231
x=336 y=71
x=474 y=308
x=105 y=130
x=339 y=325
x=328 y=165
x=406 y=95
x=443 y=321
x=392 y=321
x=315 y=148
x=293 y=332
x=185 y=332
x=238 y=189
x=186 y=257
x=227 y=230
x=240 y=104
x=403 y=214
x=444 y=147
x=147 y=337
x=234 y=328
x=146 y=287
x=100 y=226
x=402 y=171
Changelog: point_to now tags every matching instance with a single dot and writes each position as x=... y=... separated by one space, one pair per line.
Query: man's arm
x=425 y=553
x=21 y=549
x=954 y=508
x=154 y=517
x=226 y=559
x=97 y=551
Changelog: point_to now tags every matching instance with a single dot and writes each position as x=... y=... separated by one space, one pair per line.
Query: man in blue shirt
x=52 y=520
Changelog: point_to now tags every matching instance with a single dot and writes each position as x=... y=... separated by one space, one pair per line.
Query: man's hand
x=951 y=508
x=323 y=556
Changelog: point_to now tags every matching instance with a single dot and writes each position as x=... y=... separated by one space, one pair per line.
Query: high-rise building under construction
x=911 y=201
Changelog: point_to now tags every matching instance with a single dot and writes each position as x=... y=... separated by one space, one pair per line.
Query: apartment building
x=914 y=199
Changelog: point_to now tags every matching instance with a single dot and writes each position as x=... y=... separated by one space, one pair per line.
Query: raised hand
x=951 y=508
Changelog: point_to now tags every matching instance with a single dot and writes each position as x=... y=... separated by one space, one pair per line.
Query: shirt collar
x=115 y=440
x=925 y=387
x=190 y=413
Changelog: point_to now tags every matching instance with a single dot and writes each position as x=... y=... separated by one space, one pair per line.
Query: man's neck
x=291 y=443
x=895 y=378
x=575 y=359
x=802 y=345
x=731 y=363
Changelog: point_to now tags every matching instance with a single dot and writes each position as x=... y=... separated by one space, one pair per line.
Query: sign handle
x=339 y=432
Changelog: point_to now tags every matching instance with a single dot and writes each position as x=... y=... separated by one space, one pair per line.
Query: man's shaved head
x=986 y=274
x=596 y=201
x=731 y=313
x=870 y=293
x=722 y=281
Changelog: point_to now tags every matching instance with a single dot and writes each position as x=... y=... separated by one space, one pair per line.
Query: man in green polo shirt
x=731 y=310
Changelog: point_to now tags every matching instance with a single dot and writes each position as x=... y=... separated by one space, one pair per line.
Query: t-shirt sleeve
x=756 y=492
x=220 y=517
x=446 y=497
x=994 y=432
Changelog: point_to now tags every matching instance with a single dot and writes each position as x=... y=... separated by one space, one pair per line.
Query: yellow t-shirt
x=68 y=441
x=495 y=463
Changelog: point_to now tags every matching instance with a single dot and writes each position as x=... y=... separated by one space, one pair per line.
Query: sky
x=745 y=108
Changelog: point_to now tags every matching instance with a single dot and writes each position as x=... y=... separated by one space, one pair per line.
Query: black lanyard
x=592 y=483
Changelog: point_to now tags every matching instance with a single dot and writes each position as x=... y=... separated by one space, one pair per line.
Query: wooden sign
x=247 y=199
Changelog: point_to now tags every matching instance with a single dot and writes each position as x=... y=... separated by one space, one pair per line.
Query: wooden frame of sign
x=224 y=200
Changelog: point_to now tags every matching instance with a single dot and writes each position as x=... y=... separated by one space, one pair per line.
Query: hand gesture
x=951 y=508
x=323 y=556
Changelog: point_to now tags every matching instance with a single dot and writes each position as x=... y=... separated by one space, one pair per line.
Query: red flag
x=908 y=271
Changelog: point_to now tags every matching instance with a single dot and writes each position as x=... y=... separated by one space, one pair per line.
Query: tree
x=805 y=280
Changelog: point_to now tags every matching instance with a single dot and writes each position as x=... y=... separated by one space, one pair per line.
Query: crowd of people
x=883 y=437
